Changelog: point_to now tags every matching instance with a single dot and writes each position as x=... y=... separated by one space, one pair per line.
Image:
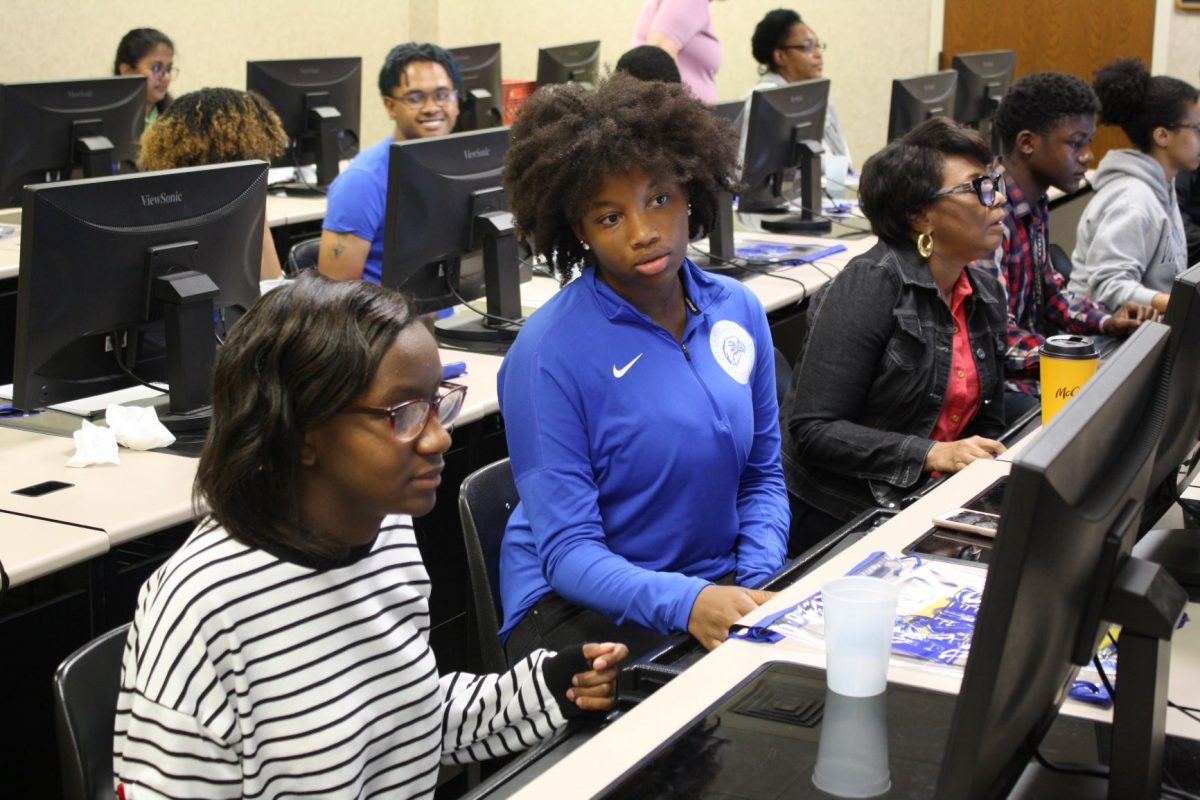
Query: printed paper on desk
x=935 y=615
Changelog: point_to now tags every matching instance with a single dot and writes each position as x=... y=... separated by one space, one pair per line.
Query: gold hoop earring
x=925 y=245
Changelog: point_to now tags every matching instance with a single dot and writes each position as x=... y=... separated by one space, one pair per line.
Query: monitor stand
x=809 y=220
x=495 y=233
x=1178 y=551
x=721 y=257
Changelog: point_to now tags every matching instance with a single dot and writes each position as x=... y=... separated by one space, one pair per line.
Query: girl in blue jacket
x=639 y=402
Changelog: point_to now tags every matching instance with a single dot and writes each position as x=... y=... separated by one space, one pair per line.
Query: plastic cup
x=852 y=753
x=1066 y=364
x=835 y=168
x=859 y=615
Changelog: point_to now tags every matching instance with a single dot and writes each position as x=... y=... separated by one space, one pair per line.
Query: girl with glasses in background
x=145 y=51
x=902 y=374
x=283 y=650
x=1130 y=243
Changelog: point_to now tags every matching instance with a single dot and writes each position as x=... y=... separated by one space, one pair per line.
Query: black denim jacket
x=857 y=419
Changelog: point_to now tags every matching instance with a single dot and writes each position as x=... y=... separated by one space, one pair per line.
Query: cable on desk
x=766 y=268
x=128 y=373
x=794 y=203
x=516 y=323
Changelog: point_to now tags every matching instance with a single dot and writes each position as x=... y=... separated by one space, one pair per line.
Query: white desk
x=626 y=741
x=31 y=547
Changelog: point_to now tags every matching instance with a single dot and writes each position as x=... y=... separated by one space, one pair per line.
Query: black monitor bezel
x=35 y=146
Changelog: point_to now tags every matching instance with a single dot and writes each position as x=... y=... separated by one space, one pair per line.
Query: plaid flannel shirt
x=1036 y=308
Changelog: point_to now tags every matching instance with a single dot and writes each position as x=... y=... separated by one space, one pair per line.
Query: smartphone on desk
x=970 y=520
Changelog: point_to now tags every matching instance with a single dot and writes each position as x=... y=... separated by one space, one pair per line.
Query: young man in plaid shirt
x=1046 y=123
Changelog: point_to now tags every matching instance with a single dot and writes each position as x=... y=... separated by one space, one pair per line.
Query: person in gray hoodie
x=1130 y=244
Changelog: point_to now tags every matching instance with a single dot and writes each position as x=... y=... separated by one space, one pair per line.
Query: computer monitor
x=1178 y=461
x=317 y=99
x=569 y=63
x=983 y=78
x=107 y=264
x=1060 y=571
x=915 y=100
x=62 y=129
x=784 y=133
x=448 y=235
x=481 y=104
x=730 y=110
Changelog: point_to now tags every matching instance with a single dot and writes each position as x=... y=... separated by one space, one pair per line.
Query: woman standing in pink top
x=684 y=29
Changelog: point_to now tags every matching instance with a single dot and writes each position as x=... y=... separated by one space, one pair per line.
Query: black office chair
x=86 y=685
x=302 y=256
x=486 y=498
x=783 y=375
x=1061 y=261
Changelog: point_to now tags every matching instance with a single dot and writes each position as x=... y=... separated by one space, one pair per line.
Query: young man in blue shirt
x=420 y=84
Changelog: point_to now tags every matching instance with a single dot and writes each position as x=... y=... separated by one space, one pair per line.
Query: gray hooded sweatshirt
x=1130 y=243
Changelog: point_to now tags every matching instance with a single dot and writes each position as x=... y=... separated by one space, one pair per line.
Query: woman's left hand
x=596 y=689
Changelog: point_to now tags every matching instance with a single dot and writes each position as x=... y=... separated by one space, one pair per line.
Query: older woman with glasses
x=787 y=50
x=902 y=374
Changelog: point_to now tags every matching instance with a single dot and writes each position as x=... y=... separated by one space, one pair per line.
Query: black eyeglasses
x=985 y=187
x=1189 y=126
x=411 y=417
x=806 y=47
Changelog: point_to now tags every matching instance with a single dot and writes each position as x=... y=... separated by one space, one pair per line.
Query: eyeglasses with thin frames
x=986 y=187
x=1195 y=128
x=806 y=47
x=410 y=418
x=159 y=69
x=417 y=100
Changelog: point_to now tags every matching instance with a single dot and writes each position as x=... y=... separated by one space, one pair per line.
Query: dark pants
x=554 y=623
x=809 y=526
x=1017 y=403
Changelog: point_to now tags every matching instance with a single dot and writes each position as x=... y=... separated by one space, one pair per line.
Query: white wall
x=870 y=41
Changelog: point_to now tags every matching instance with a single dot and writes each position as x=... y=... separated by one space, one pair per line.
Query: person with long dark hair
x=149 y=52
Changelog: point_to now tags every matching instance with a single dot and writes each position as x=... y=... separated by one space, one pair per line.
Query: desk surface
x=622 y=744
x=31 y=547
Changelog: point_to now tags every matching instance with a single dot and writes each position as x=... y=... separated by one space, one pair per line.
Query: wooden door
x=1076 y=36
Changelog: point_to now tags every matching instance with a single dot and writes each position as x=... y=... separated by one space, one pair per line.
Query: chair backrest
x=86 y=686
x=783 y=376
x=1061 y=261
x=302 y=256
x=486 y=498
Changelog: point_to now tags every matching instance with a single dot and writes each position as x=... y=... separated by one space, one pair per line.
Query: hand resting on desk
x=596 y=689
x=718 y=607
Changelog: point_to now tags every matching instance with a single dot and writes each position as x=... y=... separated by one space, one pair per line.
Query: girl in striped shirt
x=283 y=650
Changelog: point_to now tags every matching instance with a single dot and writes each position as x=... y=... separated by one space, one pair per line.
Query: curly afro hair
x=212 y=126
x=1040 y=101
x=1139 y=103
x=567 y=140
x=769 y=33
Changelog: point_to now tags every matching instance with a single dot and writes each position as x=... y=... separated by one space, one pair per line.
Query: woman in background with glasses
x=1130 y=243
x=902 y=374
x=145 y=51
x=283 y=650
x=787 y=51
x=419 y=84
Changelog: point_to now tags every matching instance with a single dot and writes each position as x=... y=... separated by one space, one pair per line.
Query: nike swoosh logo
x=620 y=373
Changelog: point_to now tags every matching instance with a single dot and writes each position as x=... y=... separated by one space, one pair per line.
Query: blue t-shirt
x=647 y=467
x=358 y=203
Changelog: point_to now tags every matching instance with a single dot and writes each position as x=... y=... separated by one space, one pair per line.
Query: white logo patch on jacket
x=733 y=349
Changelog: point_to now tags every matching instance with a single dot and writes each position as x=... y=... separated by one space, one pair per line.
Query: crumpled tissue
x=94 y=445
x=137 y=427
